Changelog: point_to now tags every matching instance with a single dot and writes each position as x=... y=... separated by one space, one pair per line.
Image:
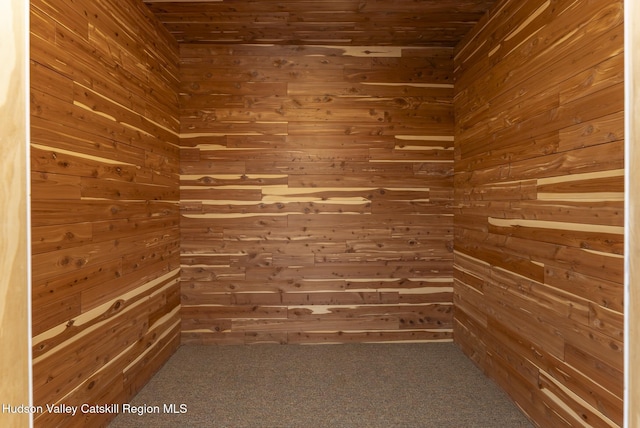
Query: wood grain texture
x=310 y=22
x=316 y=194
x=105 y=193
x=539 y=217
x=14 y=253
x=632 y=59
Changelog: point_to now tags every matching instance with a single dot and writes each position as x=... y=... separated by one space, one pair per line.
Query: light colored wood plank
x=632 y=297
x=14 y=249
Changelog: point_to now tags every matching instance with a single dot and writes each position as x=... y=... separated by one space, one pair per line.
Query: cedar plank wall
x=316 y=193
x=539 y=183
x=105 y=193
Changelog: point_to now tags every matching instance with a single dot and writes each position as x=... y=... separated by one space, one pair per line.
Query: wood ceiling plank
x=350 y=22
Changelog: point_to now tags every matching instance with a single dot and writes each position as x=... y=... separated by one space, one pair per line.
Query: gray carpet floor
x=351 y=385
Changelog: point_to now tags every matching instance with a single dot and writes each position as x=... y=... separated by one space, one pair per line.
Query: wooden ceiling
x=318 y=22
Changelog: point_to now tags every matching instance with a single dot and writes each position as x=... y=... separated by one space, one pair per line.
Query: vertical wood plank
x=632 y=296
x=14 y=281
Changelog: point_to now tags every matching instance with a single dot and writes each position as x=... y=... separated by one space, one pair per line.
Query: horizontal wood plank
x=539 y=218
x=105 y=217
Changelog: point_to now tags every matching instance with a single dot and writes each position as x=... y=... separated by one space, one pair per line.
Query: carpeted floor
x=353 y=385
